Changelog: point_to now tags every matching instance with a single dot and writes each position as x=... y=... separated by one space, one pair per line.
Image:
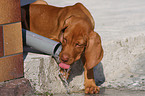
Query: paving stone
x=17 y=87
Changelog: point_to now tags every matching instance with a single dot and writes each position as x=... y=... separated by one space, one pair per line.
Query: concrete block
x=42 y=72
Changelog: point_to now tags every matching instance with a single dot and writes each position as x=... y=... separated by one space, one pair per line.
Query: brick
x=12 y=38
x=11 y=67
x=1 y=41
x=10 y=11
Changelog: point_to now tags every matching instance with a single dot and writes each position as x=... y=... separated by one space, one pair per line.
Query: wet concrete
x=108 y=92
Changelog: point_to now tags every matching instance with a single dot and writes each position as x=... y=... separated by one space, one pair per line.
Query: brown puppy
x=73 y=26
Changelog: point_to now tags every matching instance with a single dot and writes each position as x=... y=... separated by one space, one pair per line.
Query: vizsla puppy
x=73 y=26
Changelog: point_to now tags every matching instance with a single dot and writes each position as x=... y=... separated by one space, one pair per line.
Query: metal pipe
x=41 y=43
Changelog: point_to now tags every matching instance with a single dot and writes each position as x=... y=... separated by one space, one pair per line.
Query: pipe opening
x=56 y=47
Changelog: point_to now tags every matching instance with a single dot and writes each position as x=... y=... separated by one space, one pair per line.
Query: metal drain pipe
x=41 y=43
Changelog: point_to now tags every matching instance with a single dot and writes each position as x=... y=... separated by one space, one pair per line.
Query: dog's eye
x=64 y=40
x=78 y=45
x=63 y=30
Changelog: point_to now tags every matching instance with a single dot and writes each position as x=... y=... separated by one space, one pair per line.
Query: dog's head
x=74 y=39
x=77 y=37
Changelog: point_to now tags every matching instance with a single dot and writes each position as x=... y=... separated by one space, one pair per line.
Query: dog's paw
x=90 y=87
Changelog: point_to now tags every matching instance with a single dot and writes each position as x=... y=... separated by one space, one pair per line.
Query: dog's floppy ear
x=85 y=10
x=93 y=51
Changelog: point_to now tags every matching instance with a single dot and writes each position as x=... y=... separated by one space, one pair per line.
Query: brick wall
x=11 y=49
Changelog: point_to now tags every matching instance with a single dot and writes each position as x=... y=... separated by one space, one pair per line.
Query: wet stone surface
x=108 y=92
x=17 y=87
x=22 y=87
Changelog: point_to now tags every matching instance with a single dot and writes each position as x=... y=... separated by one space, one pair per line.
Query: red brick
x=12 y=38
x=11 y=67
x=1 y=41
x=10 y=11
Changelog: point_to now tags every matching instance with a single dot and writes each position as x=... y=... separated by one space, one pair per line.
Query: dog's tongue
x=64 y=66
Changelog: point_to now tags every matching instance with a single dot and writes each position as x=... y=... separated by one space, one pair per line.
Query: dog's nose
x=65 y=57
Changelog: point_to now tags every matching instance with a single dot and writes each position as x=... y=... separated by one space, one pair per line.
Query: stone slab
x=17 y=87
x=43 y=71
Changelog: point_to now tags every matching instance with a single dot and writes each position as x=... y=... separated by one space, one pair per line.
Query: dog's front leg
x=90 y=86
